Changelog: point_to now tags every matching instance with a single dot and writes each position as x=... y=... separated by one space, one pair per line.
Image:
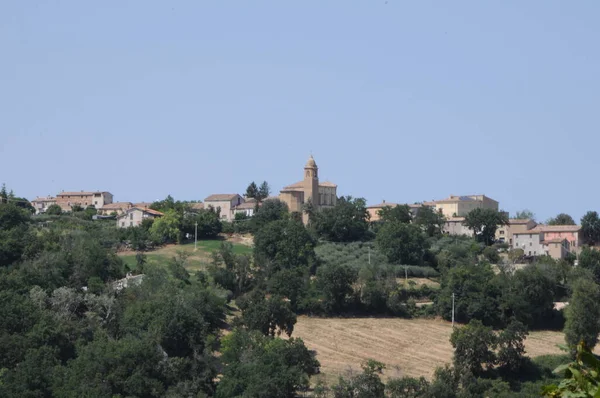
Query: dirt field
x=407 y=347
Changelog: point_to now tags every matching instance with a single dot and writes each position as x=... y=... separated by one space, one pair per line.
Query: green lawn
x=197 y=259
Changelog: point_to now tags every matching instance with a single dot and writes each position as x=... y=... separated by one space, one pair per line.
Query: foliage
x=484 y=223
x=474 y=346
x=283 y=244
x=259 y=366
x=431 y=221
x=590 y=227
x=347 y=221
x=582 y=314
x=270 y=210
x=270 y=315
x=407 y=387
x=581 y=377
x=402 y=243
x=491 y=254
x=208 y=220
x=589 y=258
x=511 y=349
x=398 y=213
x=165 y=229
x=561 y=219
x=54 y=210
x=524 y=215
x=258 y=193
x=368 y=384
x=335 y=284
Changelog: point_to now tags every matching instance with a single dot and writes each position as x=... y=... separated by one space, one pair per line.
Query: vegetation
x=561 y=219
x=484 y=223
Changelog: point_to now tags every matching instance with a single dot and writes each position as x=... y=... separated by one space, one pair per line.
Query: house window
x=131 y=223
x=530 y=252
x=529 y=236
x=530 y=243
x=95 y=202
x=131 y=216
x=122 y=223
x=534 y=253
x=501 y=232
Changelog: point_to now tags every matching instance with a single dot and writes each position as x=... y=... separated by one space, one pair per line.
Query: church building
x=322 y=195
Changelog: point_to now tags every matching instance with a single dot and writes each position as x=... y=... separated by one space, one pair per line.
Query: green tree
x=402 y=243
x=561 y=219
x=54 y=210
x=284 y=244
x=524 y=215
x=590 y=227
x=259 y=366
x=431 y=221
x=208 y=220
x=263 y=192
x=398 y=213
x=167 y=228
x=511 y=350
x=270 y=210
x=368 y=384
x=474 y=346
x=582 y=314
x=269 y=315
x=334 y=282
x=484 y=223
x=252 y=190
x=347 y=221
x=581 y=377
x=407 y=387
x=589 y=258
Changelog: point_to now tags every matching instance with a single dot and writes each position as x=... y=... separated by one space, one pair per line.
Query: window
x=530 y=236
x=530 y=243
x=131 y=223
x=131 y=216
x=530 y=252
x=501 y=232
x=534 y=253
x=122 y=223
x=95 y=202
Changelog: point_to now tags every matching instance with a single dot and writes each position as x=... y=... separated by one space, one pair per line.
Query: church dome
x=311 y=163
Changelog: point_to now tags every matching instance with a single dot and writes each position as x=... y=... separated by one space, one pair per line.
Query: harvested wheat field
x=408 y=347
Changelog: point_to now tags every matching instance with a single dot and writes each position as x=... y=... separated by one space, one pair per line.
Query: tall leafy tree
x=54 y=210
x=589 y=259
x=402 y=243
x=252 y=190
x=582 y=314
x=334 y=282
x=263 y=191
x=347 y=221
x=524 y=214
x=398 y=213
x=431 y=221
x=484 y=223
x=561 y=219
x=474 y=346
x=590 y=227
x=270 y=315
x=271 y=210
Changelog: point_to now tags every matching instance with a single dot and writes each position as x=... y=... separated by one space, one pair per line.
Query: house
x=134 y=216
x=247 y=208
x=538 y=241
x=320 y=194
x=454 y=226
x=196 y=206
x=143 y=205
x=116 y=207
x=98 y=199
x=225 y=203
x=504 y=233
x=41 y=204
x=374 y=210
x=572 y=233
x=460 y=206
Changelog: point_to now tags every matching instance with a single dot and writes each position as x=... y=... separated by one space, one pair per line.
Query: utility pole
x=196 y=236
x=452 y=310
x=406 y=274
x=369 y=254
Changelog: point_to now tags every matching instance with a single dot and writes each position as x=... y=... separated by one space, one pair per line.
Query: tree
x=398 y=213
x=54 y=210
x=166 y=228
x=474 y=346
x=335 y=284
x=368 y=384
x=269 y=315
x=347 y=221
x=271 y=210
x=589 y=258
x=402 y=243
x=511 y=349
x=590 y=227
x=252 y=190
x=484 y=223
x=581 y=377
x=407 y=387
x=208 y=220
x=263 y=192
x=524 y=215
x=284 y=244
x=431 y=221
x=561 y=219
x=582 y=314
x=259 y=366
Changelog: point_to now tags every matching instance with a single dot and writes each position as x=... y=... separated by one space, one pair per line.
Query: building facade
x=460 y=206
x=320 y=194
x=41 y=204
x=117 y=207
x=133 y=217
x=504 y=233
x=225 y=203
x=454 y=226
x=374 y=210
x=98 y=199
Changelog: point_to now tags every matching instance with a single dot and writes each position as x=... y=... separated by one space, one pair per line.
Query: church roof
x=296 y=185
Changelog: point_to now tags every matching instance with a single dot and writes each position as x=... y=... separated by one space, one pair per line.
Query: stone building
x=320 y=194
x=133 y=217
x=66 y=200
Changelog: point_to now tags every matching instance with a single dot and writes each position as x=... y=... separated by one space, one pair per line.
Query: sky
x=403 y=101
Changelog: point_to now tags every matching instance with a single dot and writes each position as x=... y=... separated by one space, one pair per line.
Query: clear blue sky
x=398 y=100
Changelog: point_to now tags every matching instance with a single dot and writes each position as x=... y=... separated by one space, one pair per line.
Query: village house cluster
x=534 y=239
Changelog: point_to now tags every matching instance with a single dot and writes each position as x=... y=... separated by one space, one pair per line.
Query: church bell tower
x=311 y=183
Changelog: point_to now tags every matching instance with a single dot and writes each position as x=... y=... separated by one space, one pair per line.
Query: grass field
x=408 y=347
x=197 y=260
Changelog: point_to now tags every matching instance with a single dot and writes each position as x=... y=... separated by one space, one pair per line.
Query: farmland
x=408 y=347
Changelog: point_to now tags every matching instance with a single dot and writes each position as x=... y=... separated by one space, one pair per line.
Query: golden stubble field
x=408 y=347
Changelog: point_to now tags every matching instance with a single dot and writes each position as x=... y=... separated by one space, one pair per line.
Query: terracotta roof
x=382 y=204
x=149 y=211
x=559 y=228
x=535 y=230
x=557 y=240
x=46 y=199
x=327 y=184
x=197 y=206
x=249 y=204
x=142 y=204
x=299 y=184
x=81 y=193
x=221 y=197
x=117 y=205
x=311 y=162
